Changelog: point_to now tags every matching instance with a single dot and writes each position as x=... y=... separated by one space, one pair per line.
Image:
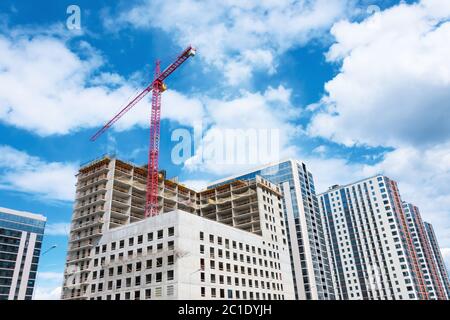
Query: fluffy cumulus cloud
x=24 y=173
x=41 y=75
x=197 y=185
x=250 y=129
x=393 y=87
x=422 y=175
x=57 y=229
x=48 y=286
x=178 y=107
x=238 y=37
x=393 y=90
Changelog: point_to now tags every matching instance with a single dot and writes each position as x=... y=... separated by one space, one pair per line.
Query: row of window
x=242 y=257
x=136 y=294
x=136 y=281
x=160 y=247
x=240 y=294
x=236 y=245
x=243 y=282
x=135 y=267
x=169 y=291
x=136 y=240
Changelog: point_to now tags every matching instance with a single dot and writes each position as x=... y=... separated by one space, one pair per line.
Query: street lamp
x=51 y=248
x=191 y=282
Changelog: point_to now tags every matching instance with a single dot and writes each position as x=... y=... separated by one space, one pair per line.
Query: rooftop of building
x=105 y=159
x=249 y=171
x=336 y=187
x=176 y=215
x=24 y=214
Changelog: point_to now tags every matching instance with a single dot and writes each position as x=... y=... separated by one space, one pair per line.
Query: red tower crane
x=157 y=87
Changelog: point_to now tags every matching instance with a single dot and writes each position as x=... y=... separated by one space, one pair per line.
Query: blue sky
x=355 y=88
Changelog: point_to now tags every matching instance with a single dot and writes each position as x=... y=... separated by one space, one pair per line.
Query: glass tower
x=307 y=245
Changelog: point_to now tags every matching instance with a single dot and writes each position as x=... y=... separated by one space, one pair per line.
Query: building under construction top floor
x=110 y=193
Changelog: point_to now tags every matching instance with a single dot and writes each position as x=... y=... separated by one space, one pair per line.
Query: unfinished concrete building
x=111 y=195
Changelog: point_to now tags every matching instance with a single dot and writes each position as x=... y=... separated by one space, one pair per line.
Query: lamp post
x=191 y=282
x=49 y=249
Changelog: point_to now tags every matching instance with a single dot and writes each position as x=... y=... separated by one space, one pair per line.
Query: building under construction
x=244 y=254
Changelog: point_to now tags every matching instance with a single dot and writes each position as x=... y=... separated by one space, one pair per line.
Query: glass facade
x=314 y=268
x=20 y=245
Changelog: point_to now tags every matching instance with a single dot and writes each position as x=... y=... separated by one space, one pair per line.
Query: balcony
x=225 y=207
x=120 y=202
x=119 y=213
x=87 y=235
x=77 y=259
x=87 y=224
x=241 y=203
x=119 y=171
x=79 y=246
x=84 y=176
x=227 y=218
x=121 y=190
x=138 y=197
x=90 y=183
x=91 y=192
x=170 y=188
x=139 y=186
x=85 y=215
x=84 y=204
x=137 y=207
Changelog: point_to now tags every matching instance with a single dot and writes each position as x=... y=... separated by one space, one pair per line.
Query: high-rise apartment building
x=371 y=247
x=21 y=235
x=437 y=256
x=307 y=245
x=434 y=283
x=231 y=238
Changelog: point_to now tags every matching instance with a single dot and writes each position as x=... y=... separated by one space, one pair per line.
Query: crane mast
x=151 y=201
x=157 y=87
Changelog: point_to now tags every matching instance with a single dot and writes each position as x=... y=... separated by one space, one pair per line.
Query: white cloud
x=230 y=34
x=446 y=255
x=49 y=275
x=41 y=75
x=197 y=185
x=330 y=171
x=24 y=173
x=57 y=229
x=393 y=88
x=176 y=107
x=48 y=286
x=320 y=150
x=267 y=116
x=422 y=176
x=47 y=293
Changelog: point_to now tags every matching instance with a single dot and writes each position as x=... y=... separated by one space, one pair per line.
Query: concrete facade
x=437 y=256
x=111 y=195
x=433 y=281
x=370 y=246
x=178 y=255
x=305 y=230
